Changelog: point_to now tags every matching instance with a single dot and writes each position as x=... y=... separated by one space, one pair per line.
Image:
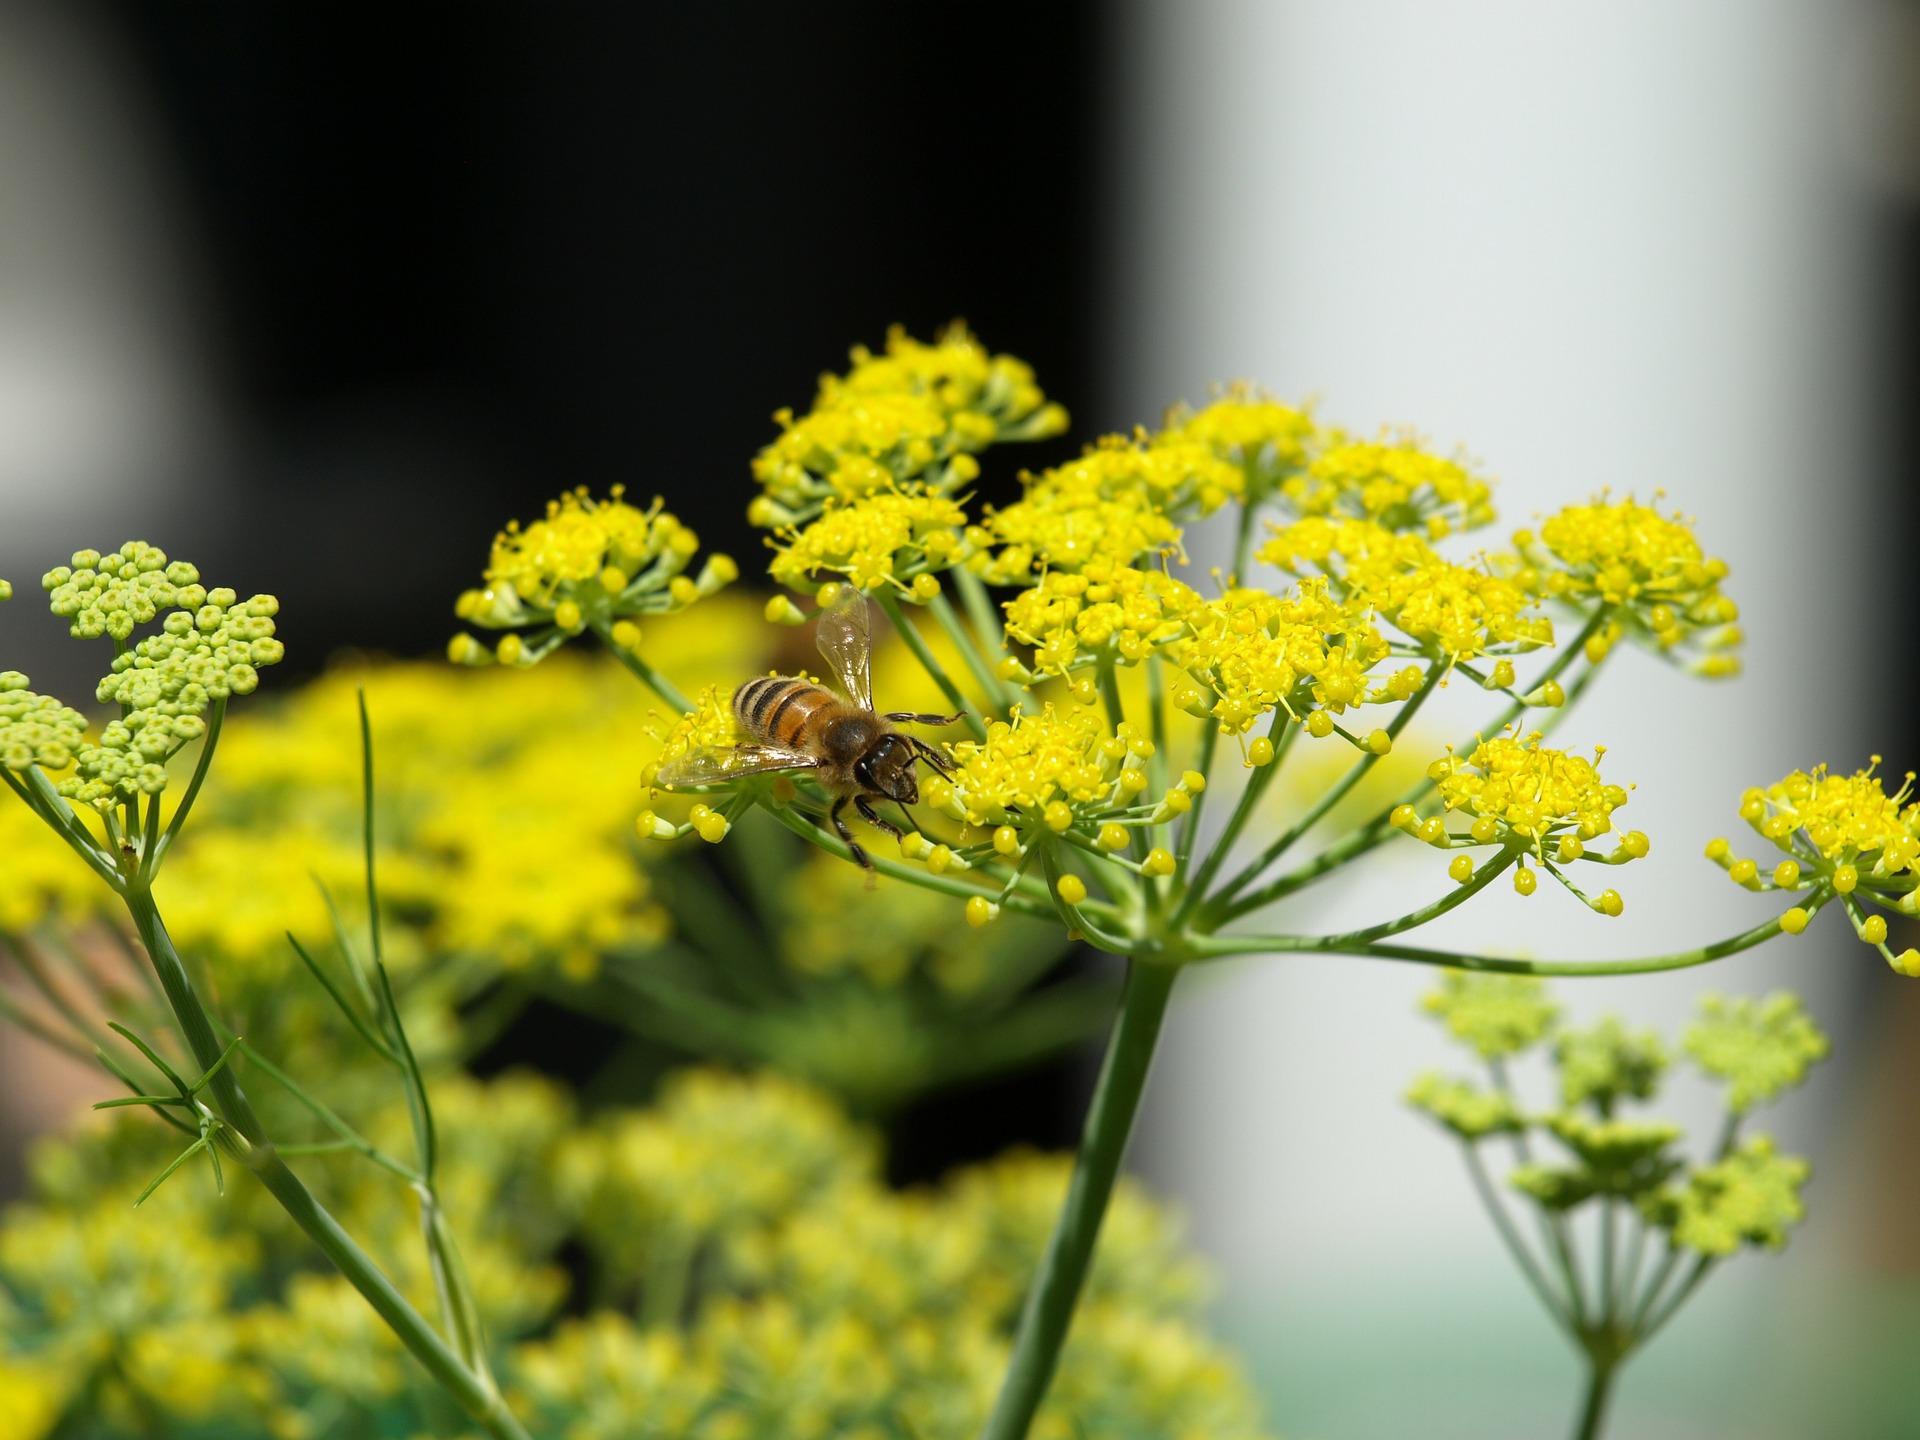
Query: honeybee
x=791 y=724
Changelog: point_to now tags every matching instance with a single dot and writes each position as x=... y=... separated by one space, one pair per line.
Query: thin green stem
x=1213 y=946
x=1373 y=832
x=1019 y=901
x=1281 y=732
x=1413 y=919
x=1190 y=826
x=1665 y=1313
x=215 y=722
x=475 y=1394
x=917 y=643
x=980 y=609
x=1657 y=1283
x=644 y=672
x=991 y=686
x=36 y=792
x=1338 y=792
x=1063 y=1268
x=1555 y=1303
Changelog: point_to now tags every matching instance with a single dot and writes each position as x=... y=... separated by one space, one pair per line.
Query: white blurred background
x=1621 y=246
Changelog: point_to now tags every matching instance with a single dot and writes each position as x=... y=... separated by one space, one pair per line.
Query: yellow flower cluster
x=1531 y=790
x=1462 y=613
x=506 y=802
x=879 y=539
x=1842 y=835
x=1103 y=615
x=192 y=1315
x=895 y=417
x=861 y=486
x=1394 y=481
x=1305 y=650
x=1104 y=510
x=589 y=564
x=41 y=877
x=1268 y=441
x=826 y=1305
x=1053 y=768
x=1647 y=566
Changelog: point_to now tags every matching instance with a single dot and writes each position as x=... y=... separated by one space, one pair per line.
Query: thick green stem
x=910 y=633
x=1063 y=1268
x=1593 y=1412
x=475 y=1396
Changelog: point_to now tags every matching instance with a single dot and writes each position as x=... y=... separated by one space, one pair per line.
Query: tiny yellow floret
x=1404 y=817
x=1071 y=889
x=1786 y=874
x=1610 y=903
x=1525 y=881
x=1113 y=836
x=1461 y=868
x=1159 y=861
x=1874 y=930
x=1845 y=878
x=1379 y=742
x=981 y=911
x=1260 y=751
x=1319 y=724
x=1794 y=921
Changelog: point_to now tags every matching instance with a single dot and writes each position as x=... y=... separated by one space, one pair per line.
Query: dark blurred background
x=461 y=257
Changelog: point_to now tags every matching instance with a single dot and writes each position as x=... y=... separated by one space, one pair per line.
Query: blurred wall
x=1611 y=245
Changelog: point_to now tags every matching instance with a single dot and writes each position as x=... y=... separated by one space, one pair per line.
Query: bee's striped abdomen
x=774 y=709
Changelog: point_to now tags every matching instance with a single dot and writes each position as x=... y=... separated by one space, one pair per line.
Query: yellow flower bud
x=1404 y=817
x=1193 y=781
x=1571 y=849
x=1006 y=840
x=1175 y=802
x=1484 y=830
x=1907 y=962
x=1786 y=874
x=938 y=859
x=568 y=617
x=1742 y=871
x=1058 y=816
x=1610 y=903
x=1525 y=881
x=510 y=650
x=1319 y=724
x=1159 y=861
x=626 y=634
x=713 y=829
x=1112 y=836
x=1794 y=921
x=1260 y=751
x=782 y=611
x=925 y=589
x=1379 y=742
x=981 y=911
x=1635 y=845
x=1461 y=868
x=463 y=649
x=1845 y=878
x=1718 y=848
x=1071 y=889
x=613 y=579
x=1433 y=830
x=1874 y=930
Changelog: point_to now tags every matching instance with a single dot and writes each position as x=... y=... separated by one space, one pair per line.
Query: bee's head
x=887 y=769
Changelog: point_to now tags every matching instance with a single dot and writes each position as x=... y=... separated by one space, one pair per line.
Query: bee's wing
x=715 y=764
x=847 y=644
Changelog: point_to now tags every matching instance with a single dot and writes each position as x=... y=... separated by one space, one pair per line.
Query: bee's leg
x=908 y=717
x=932 y=756
x=840 y=828
x=873 y=818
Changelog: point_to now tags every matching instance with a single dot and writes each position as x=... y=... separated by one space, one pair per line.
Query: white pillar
x=1602 y=245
